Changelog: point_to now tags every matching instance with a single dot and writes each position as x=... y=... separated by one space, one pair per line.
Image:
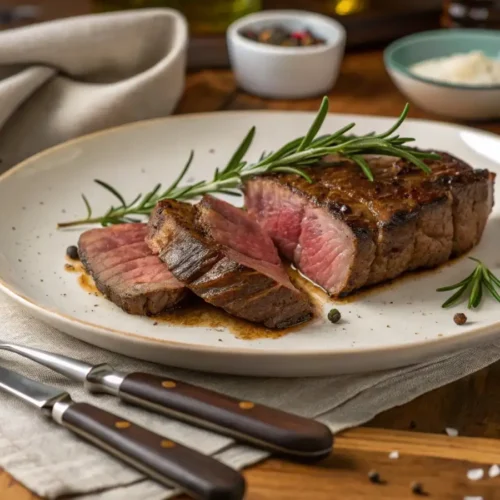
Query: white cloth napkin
x=52 y=462
x=62 y=79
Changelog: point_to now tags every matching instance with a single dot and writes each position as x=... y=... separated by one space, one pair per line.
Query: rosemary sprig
x=474 y=283
x=306 y=151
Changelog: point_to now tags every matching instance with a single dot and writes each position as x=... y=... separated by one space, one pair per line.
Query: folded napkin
x=52 y=462
x=62 y=79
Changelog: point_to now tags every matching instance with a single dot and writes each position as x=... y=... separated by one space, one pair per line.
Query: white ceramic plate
x=394 y=326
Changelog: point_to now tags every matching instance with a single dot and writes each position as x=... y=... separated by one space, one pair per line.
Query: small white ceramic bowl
x=464 y=102
x=286 y=72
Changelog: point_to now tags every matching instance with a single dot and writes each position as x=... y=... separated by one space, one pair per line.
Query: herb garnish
x=290 y=158
x=481 y=276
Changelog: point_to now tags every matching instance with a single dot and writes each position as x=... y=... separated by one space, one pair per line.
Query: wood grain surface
x=426 y=454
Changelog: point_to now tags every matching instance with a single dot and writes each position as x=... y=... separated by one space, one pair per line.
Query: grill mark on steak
x=225 y=258
x=126 y=272
x=412 y=220
x=395 y=201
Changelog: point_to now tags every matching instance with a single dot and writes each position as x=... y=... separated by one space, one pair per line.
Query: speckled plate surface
x=390 y=327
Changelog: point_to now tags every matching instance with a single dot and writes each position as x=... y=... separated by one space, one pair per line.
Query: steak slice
x=224 y=257
x=344 y=232
x=126 y=271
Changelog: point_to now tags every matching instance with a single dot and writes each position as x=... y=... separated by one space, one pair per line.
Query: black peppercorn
x=417 y=488
x=374 y=476
x=281 y=36
x=72 y=252
x=334 y=316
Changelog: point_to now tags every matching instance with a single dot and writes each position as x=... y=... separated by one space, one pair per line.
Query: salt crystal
x=451 y=432
x=394 y=455
x=473 y=498
x=494 y=471
x=475 y=474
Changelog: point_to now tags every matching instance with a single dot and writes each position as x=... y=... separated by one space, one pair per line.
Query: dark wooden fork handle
x=260 y=425
x=168 y=462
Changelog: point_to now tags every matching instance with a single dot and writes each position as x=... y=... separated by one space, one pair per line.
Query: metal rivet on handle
x=168 y=384
x=246 y=405
x=167 y=444
x=122 y=424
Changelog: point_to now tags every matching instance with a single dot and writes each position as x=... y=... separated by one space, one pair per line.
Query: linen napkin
x=65 y=78
x=52 y=462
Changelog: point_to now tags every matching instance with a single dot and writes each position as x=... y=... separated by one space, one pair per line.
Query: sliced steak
x=126 y=271
x=224 y=257
x=344 y=232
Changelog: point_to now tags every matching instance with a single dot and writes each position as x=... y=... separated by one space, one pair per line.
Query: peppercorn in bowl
x=286 y=54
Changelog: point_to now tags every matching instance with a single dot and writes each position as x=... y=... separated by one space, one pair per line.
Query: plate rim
x=484 y=331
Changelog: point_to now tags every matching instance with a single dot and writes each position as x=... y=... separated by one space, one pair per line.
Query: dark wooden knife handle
x=260 y=425
x=170 y=463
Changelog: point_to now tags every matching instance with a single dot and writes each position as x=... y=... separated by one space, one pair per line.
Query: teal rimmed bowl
x=447 y=99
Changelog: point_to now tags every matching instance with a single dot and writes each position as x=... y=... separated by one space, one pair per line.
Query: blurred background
x=366 y=21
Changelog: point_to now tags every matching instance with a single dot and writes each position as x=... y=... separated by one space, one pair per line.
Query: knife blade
x=166 y=461
x=246 y=421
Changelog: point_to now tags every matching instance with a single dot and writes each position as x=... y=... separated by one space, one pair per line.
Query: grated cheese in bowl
x=474 y=68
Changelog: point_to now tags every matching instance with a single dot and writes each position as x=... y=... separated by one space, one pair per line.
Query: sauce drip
x=199 y=313
x=195 y=312
x=87 y=283
x=84 y=280
x=75 y=267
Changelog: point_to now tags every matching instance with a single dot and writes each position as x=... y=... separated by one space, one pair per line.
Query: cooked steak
x=126 y=271
x=344 y=232
x=223 y=256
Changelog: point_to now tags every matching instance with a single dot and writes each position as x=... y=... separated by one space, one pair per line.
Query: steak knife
x=167 y=462
x=260 y=425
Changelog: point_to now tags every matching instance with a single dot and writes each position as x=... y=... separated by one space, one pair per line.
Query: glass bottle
x=328 y=7
x=346 y=7
x=204 y=16
x=471 y=14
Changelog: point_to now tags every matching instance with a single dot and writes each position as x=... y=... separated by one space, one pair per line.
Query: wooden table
x=416 y=430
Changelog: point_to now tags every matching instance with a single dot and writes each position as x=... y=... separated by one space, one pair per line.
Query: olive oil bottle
x=205 y=16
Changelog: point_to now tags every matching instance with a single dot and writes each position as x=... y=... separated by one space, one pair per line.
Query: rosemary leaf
x=149 y=196
x=363 y=164
x=455 y=297
x=476 y=292
x=291 y=170
x=174 y=185
x=493 y=278
x=280 y=153
x=401 y=119
x=112 y=190
x=331 y=140
x=137 y=198
x=481 y=276
x=492 y=290
x=87 y=205
x=316 y=125
x=456 y=285
x=234 y=162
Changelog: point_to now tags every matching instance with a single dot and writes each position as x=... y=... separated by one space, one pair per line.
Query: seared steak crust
x=225 y=258
x=375 y=231
x=126 y=271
